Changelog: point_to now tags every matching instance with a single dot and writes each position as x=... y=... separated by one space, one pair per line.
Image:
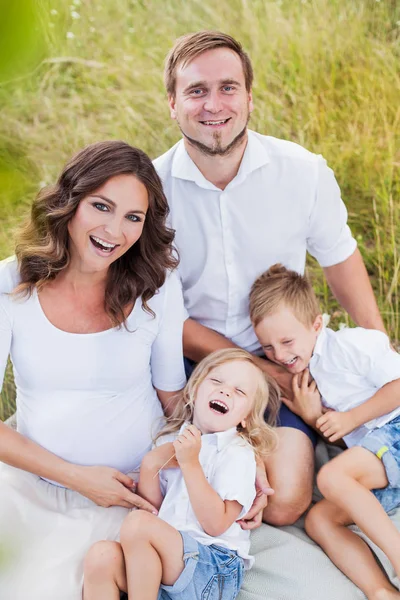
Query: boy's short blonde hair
x=279 y=286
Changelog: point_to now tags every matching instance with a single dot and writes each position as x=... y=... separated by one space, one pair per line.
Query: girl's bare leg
x=153 y=553
x=347 y=482
x=104 y=572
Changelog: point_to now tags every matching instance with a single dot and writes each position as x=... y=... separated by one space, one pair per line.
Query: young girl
x=194 y=548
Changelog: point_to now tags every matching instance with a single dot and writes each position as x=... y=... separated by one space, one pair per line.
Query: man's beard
x=217 y=149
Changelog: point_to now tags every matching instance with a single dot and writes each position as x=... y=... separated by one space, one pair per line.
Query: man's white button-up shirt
x=349 y=367
x=229 y=465
x=283 y=201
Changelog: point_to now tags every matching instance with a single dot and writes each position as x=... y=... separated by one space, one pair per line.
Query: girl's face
x=107 y=223
x=225 y=397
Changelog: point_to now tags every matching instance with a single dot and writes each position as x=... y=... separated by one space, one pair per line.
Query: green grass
x=327 y=76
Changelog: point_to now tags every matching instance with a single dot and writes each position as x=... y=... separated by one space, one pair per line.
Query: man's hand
x=253 y=518
x=334 y=425
x=187 y=446
x=108 y=487
x=306 y=401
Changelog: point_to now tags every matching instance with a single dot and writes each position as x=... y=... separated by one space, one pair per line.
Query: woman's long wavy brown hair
x=42 y=245
x=259 y=434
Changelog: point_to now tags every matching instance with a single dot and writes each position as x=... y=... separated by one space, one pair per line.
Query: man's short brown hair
x=187 y=47
x=280 y=286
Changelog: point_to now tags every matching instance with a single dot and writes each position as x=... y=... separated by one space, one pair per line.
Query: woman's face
x=107 y=223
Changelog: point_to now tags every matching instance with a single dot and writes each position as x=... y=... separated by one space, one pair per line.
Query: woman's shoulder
x=9 y=275
x=171 y=288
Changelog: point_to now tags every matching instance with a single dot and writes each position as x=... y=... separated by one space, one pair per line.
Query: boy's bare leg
x=346 y=481
x=104 y=572
x=153 y=553
x=326 y=524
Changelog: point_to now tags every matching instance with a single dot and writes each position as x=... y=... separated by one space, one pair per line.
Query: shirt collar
x=320 y=343
x=254 y=157
x=221 y=439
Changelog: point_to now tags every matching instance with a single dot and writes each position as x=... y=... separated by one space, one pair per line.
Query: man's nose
x=213 y=102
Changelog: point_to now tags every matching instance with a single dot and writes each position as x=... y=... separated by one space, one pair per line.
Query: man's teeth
x=215 y=122
x=103 y=243
x=290 y=362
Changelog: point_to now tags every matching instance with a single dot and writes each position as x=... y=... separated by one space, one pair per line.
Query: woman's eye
x=100 y=206
x=134 y=218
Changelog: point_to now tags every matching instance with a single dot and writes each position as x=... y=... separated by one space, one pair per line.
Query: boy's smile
x=286 y=340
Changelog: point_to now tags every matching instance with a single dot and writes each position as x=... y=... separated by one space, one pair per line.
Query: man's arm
x=352 y=288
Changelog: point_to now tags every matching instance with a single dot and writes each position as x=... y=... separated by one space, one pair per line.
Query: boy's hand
x=334 y=425
x=306 y=401
x=159 y=456
x=187 y=446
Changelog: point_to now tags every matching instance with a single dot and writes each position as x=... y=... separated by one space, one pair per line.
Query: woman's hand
x=306 y=401
x=253 y=518
x=108 y=487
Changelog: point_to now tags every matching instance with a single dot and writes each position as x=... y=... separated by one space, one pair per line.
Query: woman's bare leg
x=104 y=572
x=153 y=553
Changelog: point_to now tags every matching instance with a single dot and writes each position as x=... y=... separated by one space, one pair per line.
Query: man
x=240 y=202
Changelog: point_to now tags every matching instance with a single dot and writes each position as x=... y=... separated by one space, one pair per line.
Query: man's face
x=211 y=104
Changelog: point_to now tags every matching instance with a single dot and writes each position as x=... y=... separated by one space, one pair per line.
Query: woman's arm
x=168 y=400
x=103 y=485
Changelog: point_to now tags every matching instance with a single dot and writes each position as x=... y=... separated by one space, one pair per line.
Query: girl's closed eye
x=215 y=380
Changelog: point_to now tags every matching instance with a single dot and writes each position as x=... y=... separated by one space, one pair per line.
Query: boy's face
x=286 y=340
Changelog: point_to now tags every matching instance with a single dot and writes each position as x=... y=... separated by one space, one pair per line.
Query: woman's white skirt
x=45 y=532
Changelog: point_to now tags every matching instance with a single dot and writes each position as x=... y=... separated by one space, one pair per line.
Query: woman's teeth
x=102 y=245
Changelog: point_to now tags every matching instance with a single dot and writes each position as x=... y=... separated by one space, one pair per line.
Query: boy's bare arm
x=334 y=425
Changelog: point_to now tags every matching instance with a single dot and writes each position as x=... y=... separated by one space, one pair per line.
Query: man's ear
x=171 y=104
x=251 y=104
x=318 y=323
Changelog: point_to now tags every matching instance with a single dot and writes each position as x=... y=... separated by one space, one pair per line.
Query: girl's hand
x=334 y=425
x=187 y=446
x=306 y=401
x=108 y=487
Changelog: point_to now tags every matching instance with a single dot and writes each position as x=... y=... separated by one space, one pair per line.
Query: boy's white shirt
x=349 y=367
x=229 y=465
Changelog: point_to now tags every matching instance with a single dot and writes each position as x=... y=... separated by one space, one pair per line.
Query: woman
x=92 y=320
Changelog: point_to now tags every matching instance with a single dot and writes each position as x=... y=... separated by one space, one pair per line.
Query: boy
x=358 y=378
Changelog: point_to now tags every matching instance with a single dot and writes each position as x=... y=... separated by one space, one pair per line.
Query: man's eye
x=228 y=88
x=100 y=206
x=197 y=92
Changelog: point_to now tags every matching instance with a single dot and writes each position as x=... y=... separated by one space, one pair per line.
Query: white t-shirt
x=283 y=201
x=349 y=367
x=89 y=398
x=229 y=465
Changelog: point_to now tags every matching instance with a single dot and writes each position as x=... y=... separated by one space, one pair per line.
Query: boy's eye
x=267 y=348
x=288 y=341
x=100 y=206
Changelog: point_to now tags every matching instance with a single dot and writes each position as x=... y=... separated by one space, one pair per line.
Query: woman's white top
x=229 y=465
x=89 y=398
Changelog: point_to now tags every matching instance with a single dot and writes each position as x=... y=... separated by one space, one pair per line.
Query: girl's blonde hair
x=258 y=433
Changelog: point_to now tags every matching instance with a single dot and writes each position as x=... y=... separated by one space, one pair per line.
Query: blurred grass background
x=327 y=76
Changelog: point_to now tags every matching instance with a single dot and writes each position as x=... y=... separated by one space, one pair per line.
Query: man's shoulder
x=163 y=163
x=284 y=149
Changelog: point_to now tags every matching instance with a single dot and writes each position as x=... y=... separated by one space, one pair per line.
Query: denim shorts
x=210 y=573
x=384 y=442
